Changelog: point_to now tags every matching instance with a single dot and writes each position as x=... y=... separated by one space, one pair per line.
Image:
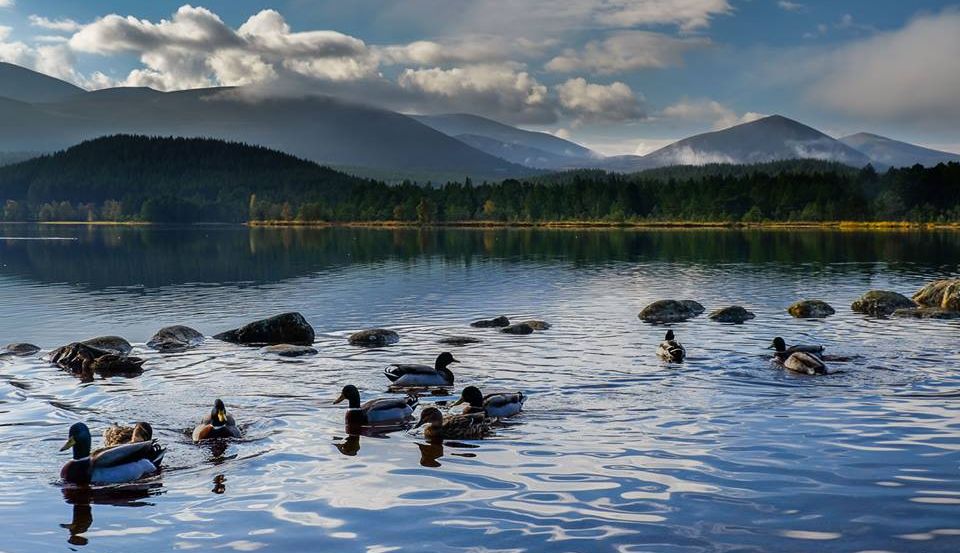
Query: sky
x=619 y=76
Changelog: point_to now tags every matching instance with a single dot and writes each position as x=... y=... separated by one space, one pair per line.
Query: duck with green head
x=218 y=424
x=374 y=411
x=423 y=375
x=799 y=358
x=500 y=405
x=122 y=463
x=437 y=427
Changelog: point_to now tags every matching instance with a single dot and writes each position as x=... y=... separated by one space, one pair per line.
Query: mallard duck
x=117 y=434
x=492 y=405
x=387 y=409
x=670 y=349
x=423 y=375
x=122 y=463
x=782 y=352
x=217 y=424
x=471 y=426
x=804 y=359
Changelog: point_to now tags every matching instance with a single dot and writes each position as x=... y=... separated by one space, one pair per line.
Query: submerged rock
x=175 y=338
x=881 y=303
x=519 y=328
x=811 y=309
x=491 y=323
x=286 y=328
x=944 y=294
x=459 y=340
x=374 y=337
x=927 y=313
x=21 y=349
x=670 y=311
x=733 y=314
x=537 y=325
x=113 y=344
x=289 y=350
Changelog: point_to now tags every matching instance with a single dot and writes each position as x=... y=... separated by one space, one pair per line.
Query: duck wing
x=806 y=363
x=395 y=372
x=390 y=403
x=504 y=404
x=472 y=425
x=129 y=453
x=806 y=348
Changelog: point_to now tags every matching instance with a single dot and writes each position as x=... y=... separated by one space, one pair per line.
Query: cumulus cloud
x=718 y=115
x=688 y=14
x=56 y=60
x=906 y=75
x=788 y=6
x=626 y=51
x=589 y=102
x=6 y=3
x=472 y=49
x=65 y=25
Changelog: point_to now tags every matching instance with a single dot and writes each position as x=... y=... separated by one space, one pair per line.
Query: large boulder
x=112 y=344
x=811 y=309
x=733 y=314
x=519 y=328
x=881 y=303
x=374 y=337
x=944 y=294
x=670 y=311
x=500 y=321
x=927 y=313
x=21 y=350
x=286 y=328
x=175 y=338
x=537 y=325
x=289 y=350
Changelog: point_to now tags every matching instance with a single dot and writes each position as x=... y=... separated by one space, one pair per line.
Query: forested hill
x=132 y=178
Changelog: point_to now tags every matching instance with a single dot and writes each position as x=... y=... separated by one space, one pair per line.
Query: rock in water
x=881 y=303
x=491 y=323
x=732 y=314
x=811 y=309
x=287 y=328
x=537 y=325
x=927 y=313
x=374 y=337
x=21 y=350
x=519 y=328
x=112 y=344
x=944 y=294
x=289 y=350
x=459 y=340
x=79 y=357
x=670 y=311
x=175 y=338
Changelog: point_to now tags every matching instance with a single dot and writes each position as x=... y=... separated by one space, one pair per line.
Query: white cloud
x=787 y=5
x=907 y=75
x=687 y=14
x=65 y=25
x=588 y=102
x=6 y=3
x=626 y=51
x=472 y=49
x=710 y=111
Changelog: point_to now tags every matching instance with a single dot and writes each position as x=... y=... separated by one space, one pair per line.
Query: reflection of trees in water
x=158 y=256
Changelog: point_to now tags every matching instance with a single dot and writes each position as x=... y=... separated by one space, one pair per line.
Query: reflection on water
x=615 y=450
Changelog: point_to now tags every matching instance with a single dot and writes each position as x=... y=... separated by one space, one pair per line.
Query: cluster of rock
x=105 y=354
x=505 y=326
x=938 y=300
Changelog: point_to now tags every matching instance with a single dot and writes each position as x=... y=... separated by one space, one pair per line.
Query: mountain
x=769 y=139
x=20 y=83
x=547 y=150
x=886 y=152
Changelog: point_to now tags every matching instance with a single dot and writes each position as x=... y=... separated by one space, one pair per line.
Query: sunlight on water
x=615 y=450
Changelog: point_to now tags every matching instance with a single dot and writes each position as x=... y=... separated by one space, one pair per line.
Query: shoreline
x=599 y=225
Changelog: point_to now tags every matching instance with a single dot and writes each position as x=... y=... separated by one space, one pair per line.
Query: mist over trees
x=133 y=178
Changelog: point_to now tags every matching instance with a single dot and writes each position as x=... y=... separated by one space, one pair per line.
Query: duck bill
x=454 y=360
x=222 y=416
x=340 y=398
x=419 y=423
x=69 y=444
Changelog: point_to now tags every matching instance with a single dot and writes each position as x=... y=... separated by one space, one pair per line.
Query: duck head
x=351 y=394
x=430 y=416
x=669 y=337
x=79 y=439
x=778 y=344
x=470 y=395
x=218 y=415
x=444 y=360
x=142 y=432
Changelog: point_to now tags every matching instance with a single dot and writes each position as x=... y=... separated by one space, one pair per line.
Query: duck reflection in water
x=430 y=452
x=219 y=484
x=82 y=498
x=350 y=444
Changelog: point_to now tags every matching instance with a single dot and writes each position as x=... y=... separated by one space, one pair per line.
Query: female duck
x=464 y=427
x=123 y=463
x=118 y=434
x=804 y=359
x=376 y=410
x=217 y=424
x=670 y=349
x=423 y=375
x=492 y=405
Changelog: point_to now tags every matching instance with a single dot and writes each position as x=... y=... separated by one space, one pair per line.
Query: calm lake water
x=616 y=451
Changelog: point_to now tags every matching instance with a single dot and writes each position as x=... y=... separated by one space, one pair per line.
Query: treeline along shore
x=175 y=180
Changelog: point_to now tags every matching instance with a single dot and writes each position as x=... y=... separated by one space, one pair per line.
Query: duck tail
x=390 y=373
x=413 y=401
x=157 y=453
x=523 y=397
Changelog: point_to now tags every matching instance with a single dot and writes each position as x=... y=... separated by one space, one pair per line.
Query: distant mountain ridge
x=886 y=152
x=25 y=85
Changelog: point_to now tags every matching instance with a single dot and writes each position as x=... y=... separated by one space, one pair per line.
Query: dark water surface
x=616 y=451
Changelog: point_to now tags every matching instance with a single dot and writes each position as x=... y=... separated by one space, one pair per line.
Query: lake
x=616 y=451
